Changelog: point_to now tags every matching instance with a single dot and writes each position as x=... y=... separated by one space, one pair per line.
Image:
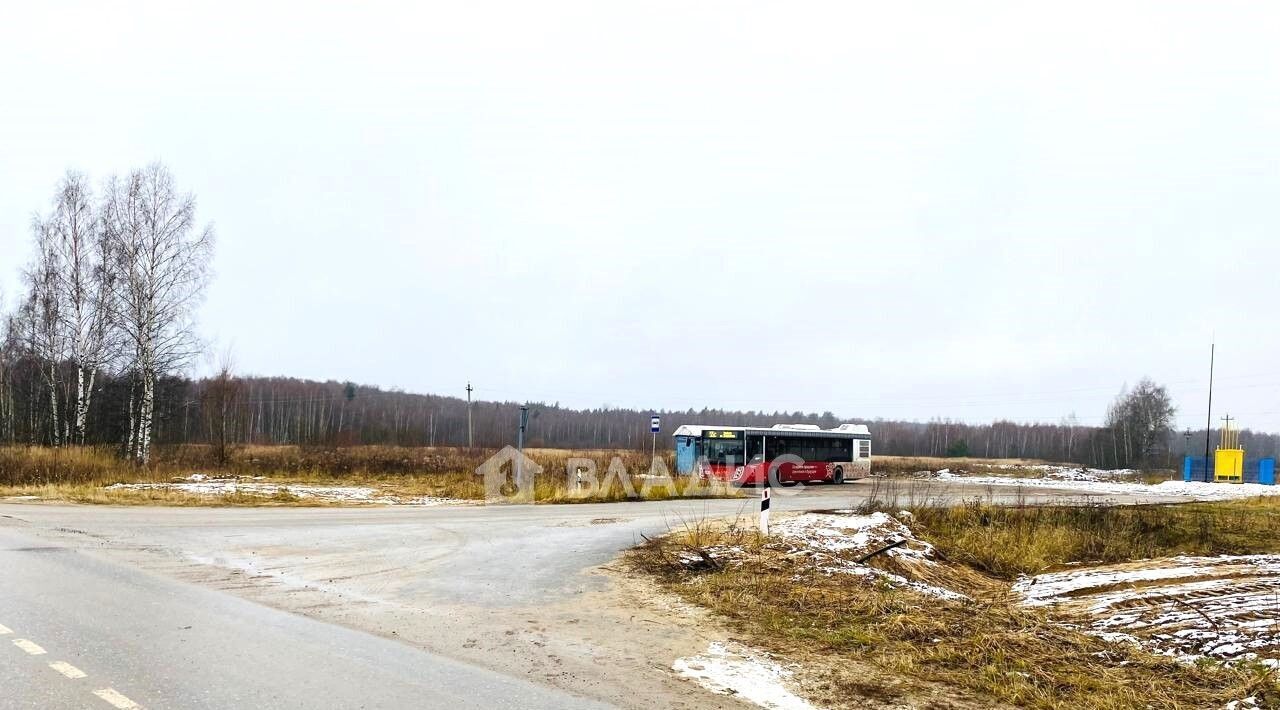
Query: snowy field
x=1222 y=608
x=1110 y=482
x=200 y=484
x=1070 y=473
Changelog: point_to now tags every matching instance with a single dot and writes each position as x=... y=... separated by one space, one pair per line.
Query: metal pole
x=1208 y=419
x=524 y=419
x=654 y=425
x=470 y=443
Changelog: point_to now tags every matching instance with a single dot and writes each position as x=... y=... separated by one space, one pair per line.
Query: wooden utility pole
x=470 y=443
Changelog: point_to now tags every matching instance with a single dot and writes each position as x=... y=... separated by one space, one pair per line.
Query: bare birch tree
x=39 y=318
x=8 y=345
x=163 y=263
x=84 y=272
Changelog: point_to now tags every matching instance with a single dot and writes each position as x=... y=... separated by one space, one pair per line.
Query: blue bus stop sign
x=655 y=424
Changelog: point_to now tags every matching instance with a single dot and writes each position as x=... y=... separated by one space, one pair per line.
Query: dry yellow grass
x=936 y=462
x=1011 y=541
x=98 y=495
x=862 y=640
x=897 y=465
x=82 y=474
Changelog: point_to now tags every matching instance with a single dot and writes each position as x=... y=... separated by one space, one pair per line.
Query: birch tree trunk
x=82 y=406
x=55 y=426
x=146 y=409
x=132 y=434
x=82 y=410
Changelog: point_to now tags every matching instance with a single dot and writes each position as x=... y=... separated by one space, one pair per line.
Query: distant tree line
x=94 y=351
x=1138 y=431
x=226 y=410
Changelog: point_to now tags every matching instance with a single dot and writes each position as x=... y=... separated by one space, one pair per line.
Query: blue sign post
x=655 y=423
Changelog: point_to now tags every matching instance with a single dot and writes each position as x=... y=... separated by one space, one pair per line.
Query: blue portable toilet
x=1267 y=471
x=1197 y=468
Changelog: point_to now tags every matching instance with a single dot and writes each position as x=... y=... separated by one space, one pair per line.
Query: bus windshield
x=724 y=451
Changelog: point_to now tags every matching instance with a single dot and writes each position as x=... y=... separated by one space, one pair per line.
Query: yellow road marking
x=29 y=647
x=110 y=695
x=5 y=630
x=67 y=669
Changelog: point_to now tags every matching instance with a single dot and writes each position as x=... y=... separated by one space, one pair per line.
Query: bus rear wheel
x=837 y=476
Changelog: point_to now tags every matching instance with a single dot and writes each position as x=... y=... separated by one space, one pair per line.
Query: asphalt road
x=131 y=638
x=390 y=607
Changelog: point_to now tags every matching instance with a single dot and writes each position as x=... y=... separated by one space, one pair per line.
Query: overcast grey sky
x=906 y=210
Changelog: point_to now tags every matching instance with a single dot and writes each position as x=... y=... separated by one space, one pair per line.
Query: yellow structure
x=1228 y=460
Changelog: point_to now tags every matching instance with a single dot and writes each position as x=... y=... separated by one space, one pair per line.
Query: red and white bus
x=744 y=455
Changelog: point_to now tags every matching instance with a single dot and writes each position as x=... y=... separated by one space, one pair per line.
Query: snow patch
x=1089 y=482
x=1054 y=588
x=1068 y=473
x=747 y=674
x=836 y=542
x=1225 y=608
x=896 y=581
